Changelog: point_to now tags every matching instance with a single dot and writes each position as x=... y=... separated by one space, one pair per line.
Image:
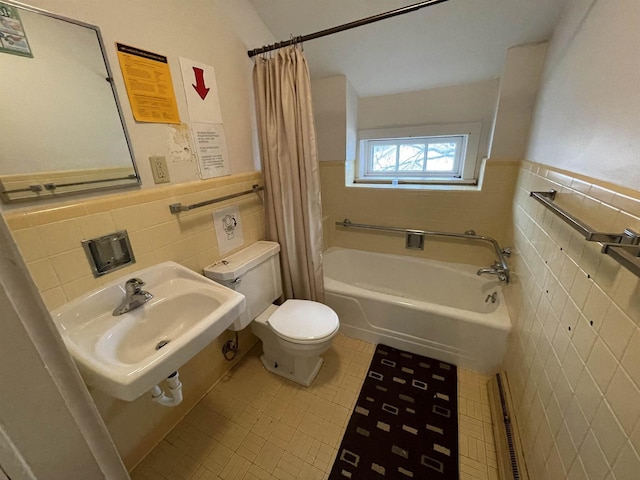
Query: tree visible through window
x=413 y=157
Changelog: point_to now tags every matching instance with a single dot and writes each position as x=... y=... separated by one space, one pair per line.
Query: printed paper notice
x=211 y=149
x=228 y=229
x=149 y=85
x=12 y=37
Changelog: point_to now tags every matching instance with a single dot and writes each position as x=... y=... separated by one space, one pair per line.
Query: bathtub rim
x=498 y=319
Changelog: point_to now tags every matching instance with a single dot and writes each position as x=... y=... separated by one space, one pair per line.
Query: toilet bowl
x=293 y=335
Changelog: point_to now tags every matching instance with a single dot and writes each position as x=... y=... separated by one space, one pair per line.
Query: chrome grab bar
x=500 y=253
x=628 y=237
x=178 y=207
x=623 y=247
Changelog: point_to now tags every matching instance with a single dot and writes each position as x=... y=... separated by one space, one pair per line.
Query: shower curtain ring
x=295 y=40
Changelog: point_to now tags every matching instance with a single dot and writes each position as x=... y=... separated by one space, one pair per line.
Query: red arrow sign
x=200 y=87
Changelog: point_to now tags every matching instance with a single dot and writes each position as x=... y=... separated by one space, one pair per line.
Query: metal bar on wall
x=178 y=207
x=623 y=247
x=469 y=235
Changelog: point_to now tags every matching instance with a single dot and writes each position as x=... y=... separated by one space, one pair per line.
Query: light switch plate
x=159 y=169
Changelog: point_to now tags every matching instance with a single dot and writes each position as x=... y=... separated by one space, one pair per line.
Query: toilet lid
x=304 y=320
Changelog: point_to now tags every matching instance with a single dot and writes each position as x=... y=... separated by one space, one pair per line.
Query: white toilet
x=293 y=335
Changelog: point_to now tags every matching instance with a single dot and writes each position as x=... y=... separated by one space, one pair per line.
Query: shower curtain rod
x=346 y=26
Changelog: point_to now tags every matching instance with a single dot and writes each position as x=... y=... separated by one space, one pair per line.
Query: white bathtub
x=423 y=306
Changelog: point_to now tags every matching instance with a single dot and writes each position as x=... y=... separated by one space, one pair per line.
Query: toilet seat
x=304 y=321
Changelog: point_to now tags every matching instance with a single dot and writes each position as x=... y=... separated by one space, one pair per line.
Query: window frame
x=369 y=144
x=467 y=156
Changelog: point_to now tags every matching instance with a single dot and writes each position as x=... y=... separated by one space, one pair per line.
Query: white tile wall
x=574 y=354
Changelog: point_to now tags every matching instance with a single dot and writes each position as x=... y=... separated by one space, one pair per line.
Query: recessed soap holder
x=414 y=241
x=109 y=252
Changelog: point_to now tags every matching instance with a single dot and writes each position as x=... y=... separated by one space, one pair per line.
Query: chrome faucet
x=496 y=269
x=135 y=296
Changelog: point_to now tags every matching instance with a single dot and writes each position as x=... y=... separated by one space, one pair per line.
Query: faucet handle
x=133 y=285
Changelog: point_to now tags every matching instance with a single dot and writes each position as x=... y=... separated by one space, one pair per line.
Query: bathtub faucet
x=496 y=269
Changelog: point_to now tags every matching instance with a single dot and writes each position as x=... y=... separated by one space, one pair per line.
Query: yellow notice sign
x=149 y=86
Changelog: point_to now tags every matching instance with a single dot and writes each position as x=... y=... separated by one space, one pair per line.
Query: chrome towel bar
x=628 y=237
x=622 y=247
x=501 y=264
x=178 y=207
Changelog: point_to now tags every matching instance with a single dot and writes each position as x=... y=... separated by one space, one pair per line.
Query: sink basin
x=126 y=355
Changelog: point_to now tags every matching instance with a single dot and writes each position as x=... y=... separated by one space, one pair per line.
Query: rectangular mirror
x=61 y=123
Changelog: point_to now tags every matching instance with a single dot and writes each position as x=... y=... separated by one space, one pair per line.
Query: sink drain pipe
x=175 y=392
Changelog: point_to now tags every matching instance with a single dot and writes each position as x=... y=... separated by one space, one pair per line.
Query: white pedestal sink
x=119 y=354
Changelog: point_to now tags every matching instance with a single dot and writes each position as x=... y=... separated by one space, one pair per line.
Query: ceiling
x=456 y=42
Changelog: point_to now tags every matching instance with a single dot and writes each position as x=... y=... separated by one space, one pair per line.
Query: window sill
x=418 y=186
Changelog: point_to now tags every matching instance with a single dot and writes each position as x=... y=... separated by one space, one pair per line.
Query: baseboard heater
x=511 y=464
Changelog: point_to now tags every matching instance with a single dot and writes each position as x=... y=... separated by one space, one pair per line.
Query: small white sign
x=228 y=229
x=211 y=149
x=200 y=87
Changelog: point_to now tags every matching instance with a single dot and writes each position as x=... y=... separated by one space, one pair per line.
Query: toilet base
x=298 y=362
x=304 y=371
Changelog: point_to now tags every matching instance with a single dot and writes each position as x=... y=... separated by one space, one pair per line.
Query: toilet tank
x=254 y=272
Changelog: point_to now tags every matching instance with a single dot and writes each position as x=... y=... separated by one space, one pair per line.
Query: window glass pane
x=411 y=158
x=441 y=156
x=383 y=158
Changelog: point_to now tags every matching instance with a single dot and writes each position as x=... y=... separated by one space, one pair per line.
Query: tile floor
x=255 y=425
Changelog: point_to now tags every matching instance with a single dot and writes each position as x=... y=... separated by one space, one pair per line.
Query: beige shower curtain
x=287 y=138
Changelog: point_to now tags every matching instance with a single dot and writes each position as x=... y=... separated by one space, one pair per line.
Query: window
x=400 y=155
x=414 y=157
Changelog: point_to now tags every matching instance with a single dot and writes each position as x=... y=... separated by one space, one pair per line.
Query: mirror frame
x=50 y=188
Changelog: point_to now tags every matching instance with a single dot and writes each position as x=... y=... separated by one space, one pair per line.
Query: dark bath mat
x=405 y=423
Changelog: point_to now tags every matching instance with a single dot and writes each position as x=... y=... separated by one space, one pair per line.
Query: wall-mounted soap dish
x=109 y=252
x=414 y=241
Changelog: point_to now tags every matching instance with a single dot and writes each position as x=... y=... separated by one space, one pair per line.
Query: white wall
x=588 y=114
x=330 y=115
x=474 y=102
x=199 y=30
x=253 y=33
x=246 y=23
x=516 y=101
x=352 y=122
